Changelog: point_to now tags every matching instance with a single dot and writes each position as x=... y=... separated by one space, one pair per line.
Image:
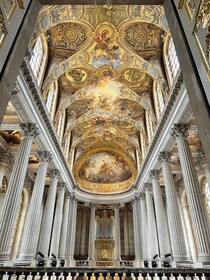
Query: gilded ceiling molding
x=154 y=14
x=76 y=60
x=3 y=30
x=118 y=118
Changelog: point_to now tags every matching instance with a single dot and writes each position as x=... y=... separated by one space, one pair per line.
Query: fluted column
x=47 y=221
x=194 y=194
x=179 y=249
x=152 y=230
x=12 y=198
x=144 y=227
x=69 y=230
x=29 y=244
x=73 y=232
x=92 y=234
x=136 y=232
x=5 y=160
x=117 y=232
x=64 y=228
x=54 y=247
x=126 y=237
x=164 y=243
x=83 y=233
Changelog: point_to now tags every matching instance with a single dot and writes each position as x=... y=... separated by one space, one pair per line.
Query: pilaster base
x=138 y=263
x=25 y=259
x=92 y=263
x=197 y=265
x=70 y=263
x=116 y=263
x=182 y=259
x=4 y=257
x=204 y=258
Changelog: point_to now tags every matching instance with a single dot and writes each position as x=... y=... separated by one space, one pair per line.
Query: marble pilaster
x=92 y=234
x=117 y=232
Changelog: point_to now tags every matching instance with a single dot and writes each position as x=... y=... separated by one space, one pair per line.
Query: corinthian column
x=152 y=230
x=179 y=249
x=144 y=226
x=137 y=241
x=197 y=209
x=71 y=231
x=47 y=221
x=64 y=228
x=160 y=214
x=92 y=233
x=29 y=240
x=12 y=198
x=117 y=233
x=58 y=219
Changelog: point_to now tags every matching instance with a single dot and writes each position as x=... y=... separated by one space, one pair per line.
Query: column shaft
x=54 y=247
x=117 y=233
x=126 y=245
x=47 y=221
x=179 y=249
x=29 y=244
x=15 y=187
x=151 y=221
x=194 y=194
x=136 y=233
x=64 y=228
x=163 y=237
x=92 y=234
x=83 y=232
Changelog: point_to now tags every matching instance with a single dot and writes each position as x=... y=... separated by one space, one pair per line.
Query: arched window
x=61 y=124
x=149 y=125
x=160 y=98
x=171 y=61
x=38 y=60
x=206 y=195
x=52 y=99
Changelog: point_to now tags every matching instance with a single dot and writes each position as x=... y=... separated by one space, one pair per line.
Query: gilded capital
x=44 y=156
x=179 y=130
x=164 y=157
x=154 y=174
x=30 y=130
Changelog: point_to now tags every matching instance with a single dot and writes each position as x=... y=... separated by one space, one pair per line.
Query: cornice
x=33 y=106
x=176 y=109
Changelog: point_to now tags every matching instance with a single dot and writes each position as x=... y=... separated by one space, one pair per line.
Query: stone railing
x=62 y=273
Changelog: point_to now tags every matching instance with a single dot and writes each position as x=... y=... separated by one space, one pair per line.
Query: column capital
x=54 y=173
x=92 y=206
x=30 y=130
x=67 y=195
x=179 y=130
x=147 y=187
x=117 y=206
x=154 y=174
x=62 y=186
x=164 y=156
x=5 y=157
x=44 y=156
x=135 y=200
x=142 y=196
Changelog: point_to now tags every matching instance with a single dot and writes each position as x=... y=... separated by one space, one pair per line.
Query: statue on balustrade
x=85 y=277
x=108 y=276
x=100 y=277
x=124 y=276
x=116 y=276
x=92 y=277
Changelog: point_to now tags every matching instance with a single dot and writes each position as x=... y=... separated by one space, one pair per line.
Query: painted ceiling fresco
x=106 y=60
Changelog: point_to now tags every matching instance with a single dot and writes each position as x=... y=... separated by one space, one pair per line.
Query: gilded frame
x=9 y=12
